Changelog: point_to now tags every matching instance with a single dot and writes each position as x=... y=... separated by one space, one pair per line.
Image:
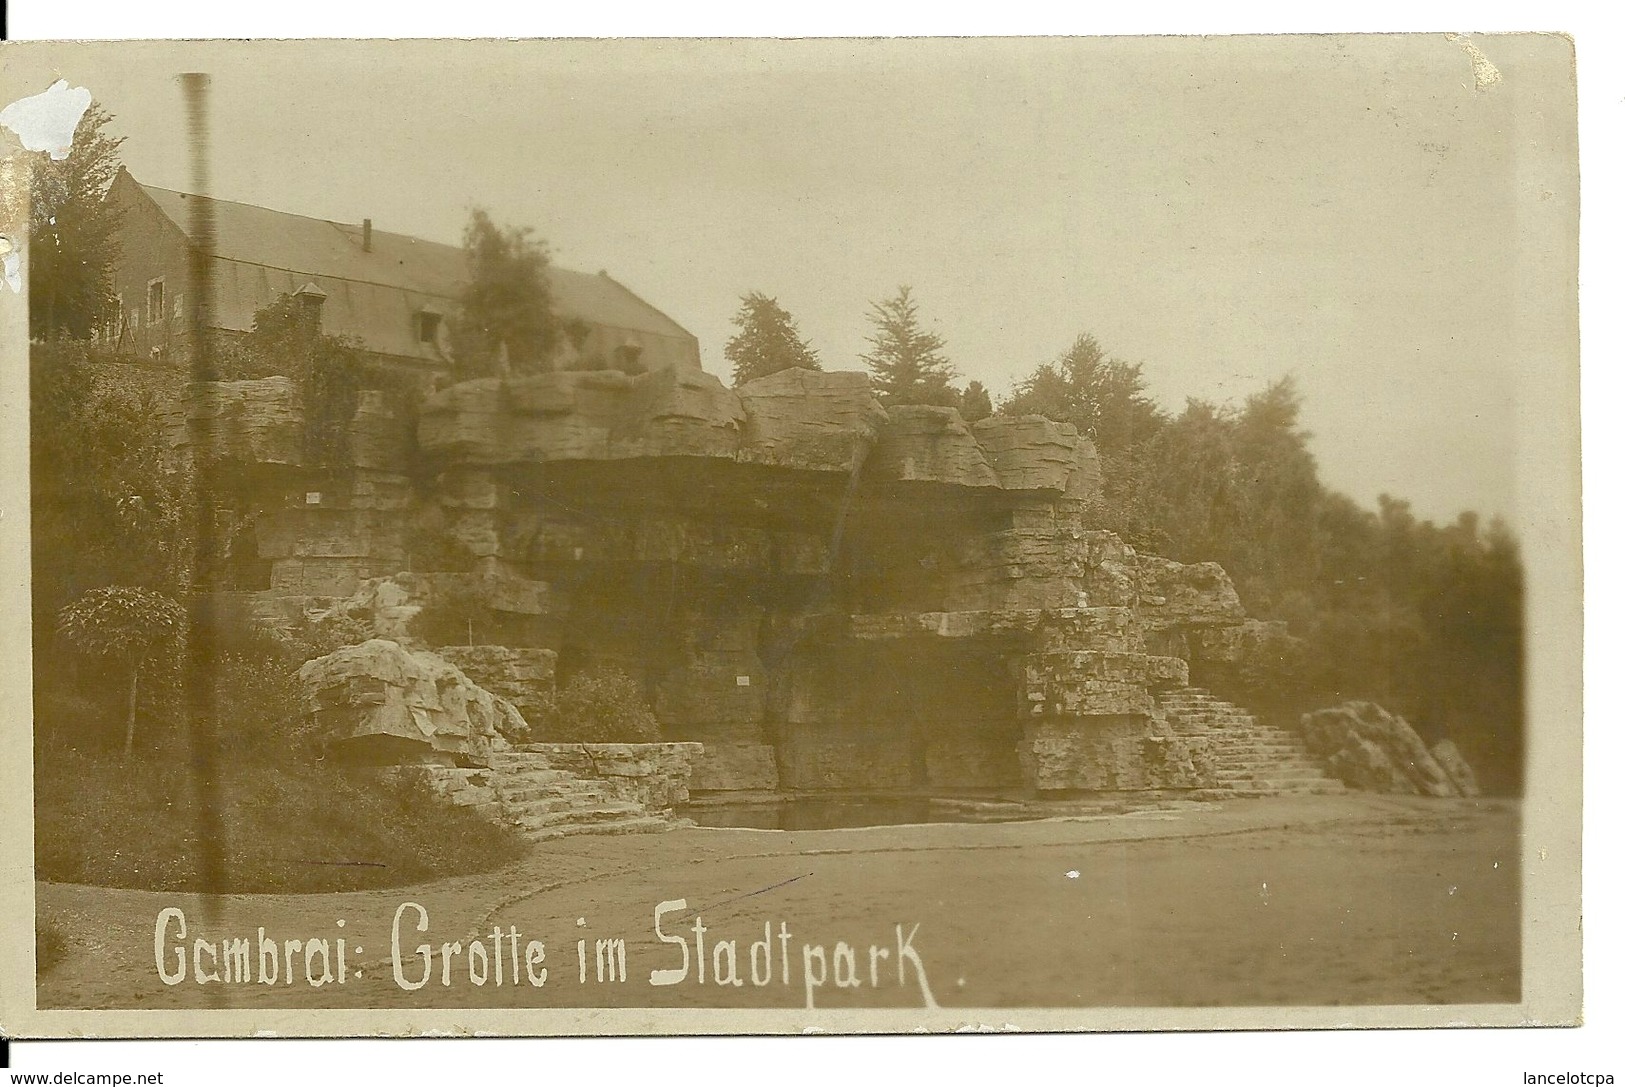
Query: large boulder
x=1369 y=748
x=381 y=703
x=1188 y=596
x=1450 y=760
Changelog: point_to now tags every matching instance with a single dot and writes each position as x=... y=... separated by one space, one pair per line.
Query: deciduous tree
x=507 y=307
x=1105 y=398
x=73 y=232
x=126 y=625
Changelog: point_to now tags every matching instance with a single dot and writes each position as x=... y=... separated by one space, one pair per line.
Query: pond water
x=832 y=813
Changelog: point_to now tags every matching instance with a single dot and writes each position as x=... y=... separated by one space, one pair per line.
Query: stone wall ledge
x=962 y=624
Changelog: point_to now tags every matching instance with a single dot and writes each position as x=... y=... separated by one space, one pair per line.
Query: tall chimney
x=366 y=235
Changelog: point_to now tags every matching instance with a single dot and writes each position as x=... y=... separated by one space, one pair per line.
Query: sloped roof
x=282 y=242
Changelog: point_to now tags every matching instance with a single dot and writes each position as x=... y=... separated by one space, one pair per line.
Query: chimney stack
x=366 y=235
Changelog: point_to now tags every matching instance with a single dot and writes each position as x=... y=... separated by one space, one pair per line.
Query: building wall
x=151 y=247
x=381 y=317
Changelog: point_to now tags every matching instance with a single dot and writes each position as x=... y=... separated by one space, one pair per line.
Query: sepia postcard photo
x=756 y=536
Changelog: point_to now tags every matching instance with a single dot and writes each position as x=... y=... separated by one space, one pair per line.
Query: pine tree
x=907 y=361
x=767 y=341
x=975 y=403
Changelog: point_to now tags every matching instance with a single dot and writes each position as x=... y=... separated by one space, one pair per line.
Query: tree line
x=1426 y=619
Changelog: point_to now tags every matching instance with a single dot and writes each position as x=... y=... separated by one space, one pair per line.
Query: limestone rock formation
x=807 y=419
x=259 y=422
x=1252 y=640
x=1369 y=748
x=522 y=676
x=924 y=443
x=1461 y=775
x=827 y=595
x=804 y=419
x=586 y=415
x=262 y=422
x=1111 y=754
x=1192 y=596
x=379 y=702
x=1032 y=453
x=653 y=776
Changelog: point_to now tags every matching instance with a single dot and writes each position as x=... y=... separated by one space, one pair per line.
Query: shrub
x=601 y=705
x=317 y=637
x=259 y=710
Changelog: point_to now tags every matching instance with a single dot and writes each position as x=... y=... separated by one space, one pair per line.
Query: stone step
x=533 y=777
x=1262 y=751
x=584 y=793
x=543 y=802
x=558 y=801
x=604 y=813
x=645 y=824
x=1271 y=773
x=1294 y=761
x=512 y=764
x=1249 y=757
x=1241 y=793
x=1273 y=780
x=539 y=798
x=1228 y=772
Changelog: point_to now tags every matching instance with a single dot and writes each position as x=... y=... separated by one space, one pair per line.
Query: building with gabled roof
x=392 y=293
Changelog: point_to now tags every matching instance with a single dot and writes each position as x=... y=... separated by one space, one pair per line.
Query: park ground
x=1316 y=900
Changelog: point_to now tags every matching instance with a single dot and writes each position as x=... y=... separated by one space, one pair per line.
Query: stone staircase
x=1249 y=757
x=522 y=789
x=545 y=802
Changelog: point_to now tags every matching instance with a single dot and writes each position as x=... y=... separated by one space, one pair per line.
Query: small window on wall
x=428 y=327
x=155 y=301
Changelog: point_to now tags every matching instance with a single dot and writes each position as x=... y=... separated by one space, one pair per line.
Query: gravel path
x=1347 y=899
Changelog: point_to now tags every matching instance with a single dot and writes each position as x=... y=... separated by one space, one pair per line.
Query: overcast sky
x=1223 y=211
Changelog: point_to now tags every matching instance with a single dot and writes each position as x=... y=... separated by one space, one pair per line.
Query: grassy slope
x=281 y=828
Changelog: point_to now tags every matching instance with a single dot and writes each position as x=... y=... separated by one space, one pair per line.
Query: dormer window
x=627 y=356
x=310 y=298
